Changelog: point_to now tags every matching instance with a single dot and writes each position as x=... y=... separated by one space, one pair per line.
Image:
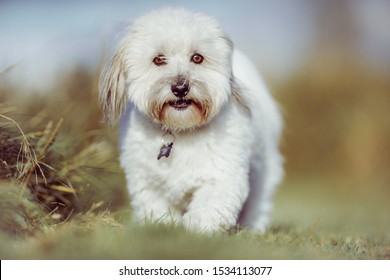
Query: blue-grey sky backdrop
x=41 y=40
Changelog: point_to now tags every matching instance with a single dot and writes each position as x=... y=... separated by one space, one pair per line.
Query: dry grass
x=59 y=165
x=63 y=196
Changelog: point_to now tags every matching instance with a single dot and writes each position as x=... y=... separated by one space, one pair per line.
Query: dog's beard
x=193 y=109
x=182 y=113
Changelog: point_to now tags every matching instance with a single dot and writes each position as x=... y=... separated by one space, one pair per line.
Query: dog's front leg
x=215 y=207
x=150 y=206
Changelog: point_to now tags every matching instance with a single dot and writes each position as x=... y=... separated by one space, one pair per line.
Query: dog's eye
x=160 y=60
x=197 y=58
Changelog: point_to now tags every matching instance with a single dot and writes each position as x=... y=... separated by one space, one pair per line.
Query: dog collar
x=167 y=139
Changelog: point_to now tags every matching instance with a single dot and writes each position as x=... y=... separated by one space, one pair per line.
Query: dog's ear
x=112 y=88
x=239 y=97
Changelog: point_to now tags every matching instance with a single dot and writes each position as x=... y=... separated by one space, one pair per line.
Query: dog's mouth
x=180 y=104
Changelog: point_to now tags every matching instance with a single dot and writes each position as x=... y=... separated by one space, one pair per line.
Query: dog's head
x=174 y=66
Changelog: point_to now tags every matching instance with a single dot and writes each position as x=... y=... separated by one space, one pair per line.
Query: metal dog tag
x=167 y=139
x=165 y=150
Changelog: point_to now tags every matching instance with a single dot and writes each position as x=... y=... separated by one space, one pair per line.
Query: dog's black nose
x=180 y=88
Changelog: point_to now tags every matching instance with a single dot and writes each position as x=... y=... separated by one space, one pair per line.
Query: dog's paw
x=203 y=223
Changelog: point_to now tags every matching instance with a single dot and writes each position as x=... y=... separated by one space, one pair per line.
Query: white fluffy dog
x=199 y=130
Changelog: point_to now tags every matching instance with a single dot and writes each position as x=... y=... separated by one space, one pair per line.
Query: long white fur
x=221 y=172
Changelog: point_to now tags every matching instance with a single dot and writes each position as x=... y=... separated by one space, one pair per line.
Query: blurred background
x=327 y=62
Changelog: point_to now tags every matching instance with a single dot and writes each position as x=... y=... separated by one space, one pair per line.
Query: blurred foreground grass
x=62 y=194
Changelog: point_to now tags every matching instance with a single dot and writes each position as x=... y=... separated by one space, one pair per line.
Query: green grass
x=315 y=234
x=63 y=196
